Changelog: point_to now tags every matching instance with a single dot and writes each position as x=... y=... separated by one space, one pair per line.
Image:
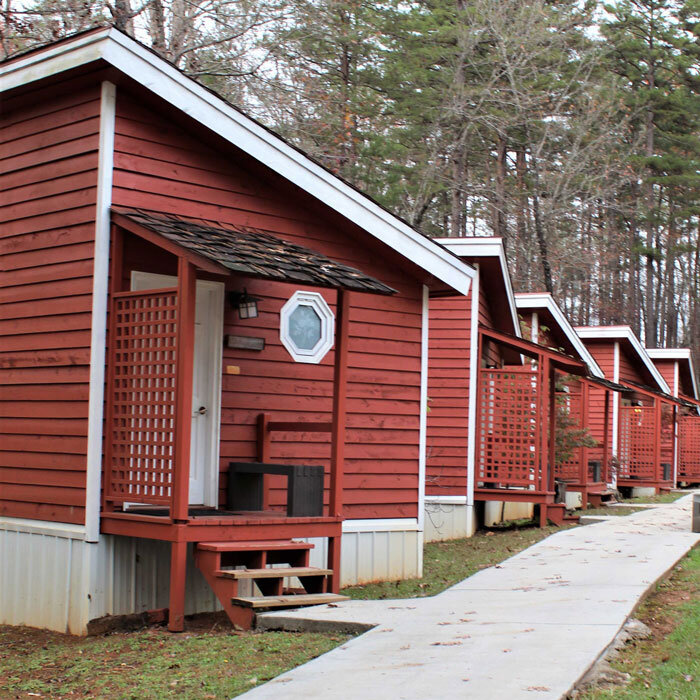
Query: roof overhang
x=151 y=71
x=490 y=247
x=245 y=251
x=624 y=333
x=544 y=300
x=681 y=354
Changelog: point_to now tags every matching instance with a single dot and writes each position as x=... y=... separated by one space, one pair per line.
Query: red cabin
x=492 y=404
x=582 y=461
x=642 y=421
x=214 y=352
x=676 y=367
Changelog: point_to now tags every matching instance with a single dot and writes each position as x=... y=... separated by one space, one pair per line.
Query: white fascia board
x=546 y=301
x=163 y=79
x=382 y=525
x=624 y=333
x=676 y=354
x=492 y=247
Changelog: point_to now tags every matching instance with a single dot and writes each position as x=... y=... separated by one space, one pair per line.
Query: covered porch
x=517 y=421
x=646 y=440
x=157 y=482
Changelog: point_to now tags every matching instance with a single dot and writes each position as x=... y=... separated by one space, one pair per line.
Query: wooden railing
x=638 y=442
x=141 y=398
x=512 y=413
x=689 y=448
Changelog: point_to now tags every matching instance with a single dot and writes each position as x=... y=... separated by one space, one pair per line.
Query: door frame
x=215 y=324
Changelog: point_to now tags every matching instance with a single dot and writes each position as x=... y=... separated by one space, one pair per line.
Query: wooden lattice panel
x=637 y=442
x=508 y=427
x=570 y=404
x=689 y=448
x=143 y=357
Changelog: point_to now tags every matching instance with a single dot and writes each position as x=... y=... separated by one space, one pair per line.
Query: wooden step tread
x=280 y=572
x=247 y=546
x=286 y=601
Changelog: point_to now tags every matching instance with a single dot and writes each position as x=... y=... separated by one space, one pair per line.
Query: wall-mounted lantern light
x=246 y=304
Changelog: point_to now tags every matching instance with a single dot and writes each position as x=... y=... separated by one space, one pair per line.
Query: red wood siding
x=604 y=355
x=48 y=161
x=448 y=390
x=667 y=370
x=628 y=372
x=159 y=166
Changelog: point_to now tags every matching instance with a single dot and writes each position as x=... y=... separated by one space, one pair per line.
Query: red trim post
x=340 y=370
x=607 y=456
x=552 y=444
x=115 y=285
x=178 y=574
x=658 y=470
x=264 y=439
x=583 y=424
x=186 y=296
x=478 y=418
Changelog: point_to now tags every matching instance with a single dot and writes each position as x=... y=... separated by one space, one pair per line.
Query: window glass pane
x=304 y=327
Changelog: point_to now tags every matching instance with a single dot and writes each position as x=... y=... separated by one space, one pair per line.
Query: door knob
x=201 y=411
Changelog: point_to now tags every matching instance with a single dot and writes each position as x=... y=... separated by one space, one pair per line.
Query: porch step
x=288 y=601
x=280 y=572
x=266 y=564
x=557 y=513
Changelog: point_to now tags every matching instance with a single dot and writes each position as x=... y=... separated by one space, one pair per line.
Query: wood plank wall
x=48 y=161
x=161 y=167
x=448 y=390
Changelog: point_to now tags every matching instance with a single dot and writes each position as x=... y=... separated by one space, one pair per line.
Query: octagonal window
x=307 y=327
x=304 y=327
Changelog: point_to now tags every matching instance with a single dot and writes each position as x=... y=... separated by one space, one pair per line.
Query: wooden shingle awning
x=248 y=251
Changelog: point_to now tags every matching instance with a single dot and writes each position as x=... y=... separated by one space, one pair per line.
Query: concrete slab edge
x=571 y=693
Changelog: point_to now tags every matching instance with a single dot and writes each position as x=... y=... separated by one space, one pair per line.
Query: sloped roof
x=254 y=253
x=141 y=64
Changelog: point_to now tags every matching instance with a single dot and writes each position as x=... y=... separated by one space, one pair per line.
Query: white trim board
x=624 y=333
x=447 y=500
x=98 y=332
x=382 y=525
x=492 y=247
x=162 y=78
x=43 y=527
x=544 y=300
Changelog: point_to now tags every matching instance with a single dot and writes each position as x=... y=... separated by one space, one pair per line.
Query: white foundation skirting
x=448 y=518
x=52 y=578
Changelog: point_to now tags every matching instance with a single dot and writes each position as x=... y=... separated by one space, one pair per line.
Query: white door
x=206 y=391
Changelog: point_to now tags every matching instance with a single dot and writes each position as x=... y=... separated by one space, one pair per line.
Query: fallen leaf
x=539 y=688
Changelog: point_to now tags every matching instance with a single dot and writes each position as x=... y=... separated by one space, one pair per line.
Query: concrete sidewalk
x=528 y=628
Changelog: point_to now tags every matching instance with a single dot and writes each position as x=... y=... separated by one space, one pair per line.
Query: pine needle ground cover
x=149 y=664
x=666 y=665
x=447 y=563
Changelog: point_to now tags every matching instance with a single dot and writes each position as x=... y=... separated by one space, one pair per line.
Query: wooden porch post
x=658 y=471
x=186 y=296
x=335 y=504
x=607 y=476
x=552 y=446
x=178 y=572
x=115 y=285
x=583 y=423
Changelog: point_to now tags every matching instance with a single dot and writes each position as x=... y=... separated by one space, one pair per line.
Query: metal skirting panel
x=43 y=580
x=381 y=556
x=448 y=521
x=133 y=575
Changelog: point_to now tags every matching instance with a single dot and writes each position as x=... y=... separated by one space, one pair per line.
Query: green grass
x=447 y=563
x=149 y=664
x=667 y=665
x=660 y=498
